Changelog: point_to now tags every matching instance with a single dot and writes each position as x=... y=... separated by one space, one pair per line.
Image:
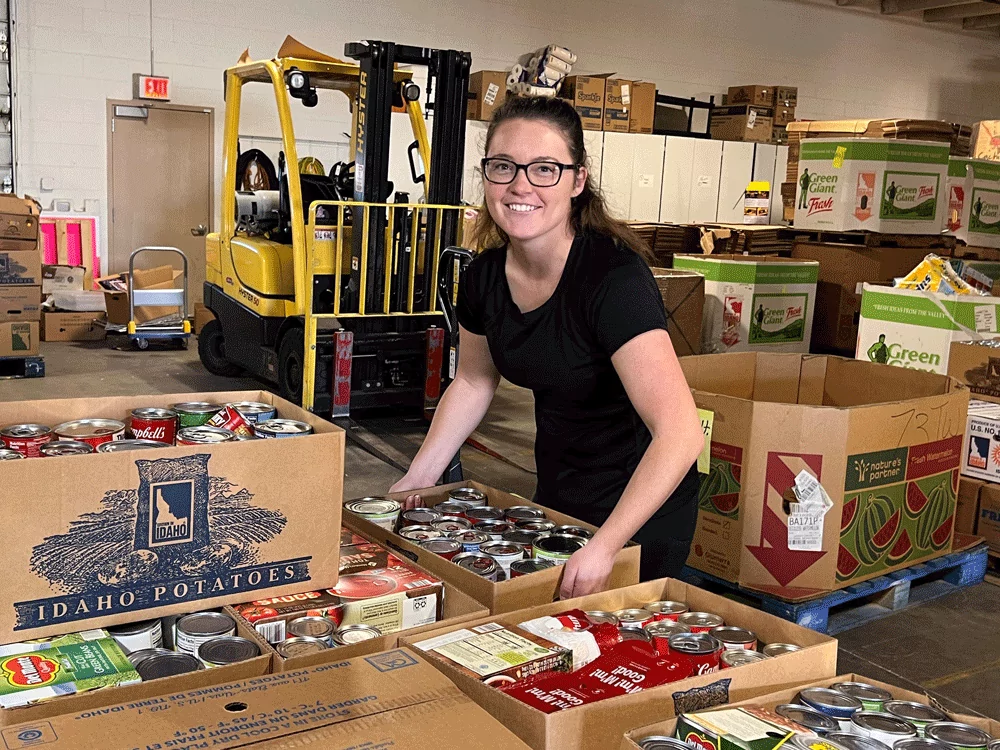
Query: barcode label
x=272 y=632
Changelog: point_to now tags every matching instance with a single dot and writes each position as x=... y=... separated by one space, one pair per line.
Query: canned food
x=810 y=718
x=539 y=525
x=484 y=513
x=657 y=742
x=301 y=646
x=90 y=431
x=26 y=439
x=531 y=565
x=664 y=628
x=312 y=627
x=446 y=548
x=230 y=419
x=452 y=509
x=504 y=553
x=633 y=618
x=701 y=622
x=701 y=650
x=520 y=536
x=254 y=411
x=921 y=743
x=480 y=564
x=739 y=657
x=470 y=540
x=831 y=703
x=6 y=454
x=812 y=742
x=524 y=513
x=556 y=548
x=995 y=745
x=193 y=630
x=733 y=638
x=778 y=649
x=883 y=727
x=281 y=428
x=631 y=634
x=137 y=657
x=55 y=448
x=194 y=413
x=852 y=741
x=418 y=517
x=666 y=610
x=137 y=636
x=169 y=664
x=204 y=435
x=574 y=531
x=154 y=424
x=470 y=496
x=600 y=617
x=957 y=735
x=493 y=529
x=228 y=649
x=378 y=510
x=918 y=714
x=355 y=634
x=451 y=524
x=421 y=533
x=872 y=698
x=120 y=446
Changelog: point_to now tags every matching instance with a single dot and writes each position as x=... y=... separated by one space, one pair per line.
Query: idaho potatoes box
x=885 y=443
x=115 y=537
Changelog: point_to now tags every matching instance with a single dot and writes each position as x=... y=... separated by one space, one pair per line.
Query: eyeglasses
x=539 y=173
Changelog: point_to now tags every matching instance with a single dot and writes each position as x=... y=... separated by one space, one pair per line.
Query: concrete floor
x=949 y=647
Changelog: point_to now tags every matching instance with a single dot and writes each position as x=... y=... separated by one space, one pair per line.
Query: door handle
x=199 y=231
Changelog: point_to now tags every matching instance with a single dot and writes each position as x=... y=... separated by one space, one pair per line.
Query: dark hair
x=589 y=213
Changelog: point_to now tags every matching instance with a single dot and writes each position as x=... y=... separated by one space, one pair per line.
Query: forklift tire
x=291 y=354
x=212 y=351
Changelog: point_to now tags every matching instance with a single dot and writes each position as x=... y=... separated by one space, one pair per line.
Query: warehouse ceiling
x=981 y=16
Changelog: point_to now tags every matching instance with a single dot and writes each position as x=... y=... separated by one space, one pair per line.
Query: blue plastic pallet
x=21 y=367
x=919 y=583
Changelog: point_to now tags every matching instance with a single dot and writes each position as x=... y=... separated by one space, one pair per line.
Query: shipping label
x=778 y=318
x=910 y=196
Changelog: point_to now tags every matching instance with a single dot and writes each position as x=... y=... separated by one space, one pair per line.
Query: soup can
x=851 y=741
x=701 y=650
x=574 y=531
x=779 y=649
x=420 y=533
x=451 y=524
x=524 y=513
x=872 y=698
x=493 y=529
x=470 y=540
x=281 y=428
x=300 y=646
x=91 y=431
x=632 y=634
x=884 y=727
x=520 y=536
x=483 y=513
x=204 y=435
x=418 y=517
x=312 y=627
x=666 y=610
x=230 y=419
x=661 y=630
x=958 y=736
x=195 y=413
x=701 y=622
x=831 y=703
x=55 y=448
x=921 y=743
x=153 y=424
x=733 y=638
x=633 y=618
x=448 y=508
x=918 y=714
x=355 y=634
x=137 y=657
x=556 y=548
x=526 y=567
x=600 y=617
x=739 y=657
x=380 y=511
x=472 y=497
x=504 y=553
x=169 y=664
x=446 y=548
x=480 y=564
x=226 y=650
x=810 y=718
x=193 y=630
x=6 y=454
x=122 y=446
x=254 y=411
x=26 y=439
x=658 y=742
x=536 y=524
x=137 y=636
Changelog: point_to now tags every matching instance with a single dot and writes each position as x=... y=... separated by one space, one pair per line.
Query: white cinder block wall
x=72 y=55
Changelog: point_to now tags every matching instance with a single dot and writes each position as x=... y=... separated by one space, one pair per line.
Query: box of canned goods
x=136 y=528
x=471 y=506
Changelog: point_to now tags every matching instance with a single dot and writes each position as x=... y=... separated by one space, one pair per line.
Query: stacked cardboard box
x=20 y=277
x=755 y=113
x=984 y=140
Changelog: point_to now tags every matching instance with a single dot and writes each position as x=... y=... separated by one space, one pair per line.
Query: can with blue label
x=281 y=428
x=470 y=540
x=254 y=411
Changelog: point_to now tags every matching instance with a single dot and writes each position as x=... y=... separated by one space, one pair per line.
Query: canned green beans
x=872 y=698
x=556 y=548
x=918 y=714
x=195 y=413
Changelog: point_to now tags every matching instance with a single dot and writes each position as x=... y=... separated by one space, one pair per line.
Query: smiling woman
x=561 y=302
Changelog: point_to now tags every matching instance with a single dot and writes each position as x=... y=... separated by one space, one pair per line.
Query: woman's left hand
x=587 y=571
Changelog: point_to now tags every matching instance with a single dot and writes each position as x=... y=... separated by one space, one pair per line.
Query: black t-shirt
x=589 y=437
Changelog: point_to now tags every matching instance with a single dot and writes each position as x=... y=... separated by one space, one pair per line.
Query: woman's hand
x=587 y=571
x=408 y=483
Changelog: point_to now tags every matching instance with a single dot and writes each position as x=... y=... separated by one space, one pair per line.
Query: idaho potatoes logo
x=29 y=670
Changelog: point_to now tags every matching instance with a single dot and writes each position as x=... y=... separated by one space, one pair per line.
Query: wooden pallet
x=867 y=601
x=21 y=367
x=874 y=239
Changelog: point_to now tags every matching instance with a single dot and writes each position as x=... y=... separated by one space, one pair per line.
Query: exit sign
x=150 y=87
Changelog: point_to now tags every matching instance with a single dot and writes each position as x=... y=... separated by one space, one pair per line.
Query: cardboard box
x=600 y=725
x=974 y=201
x=72 y=326
x=201 y=316
x=742 y=122
x=63 y=279
x=783 y=116
x=18 y=223
x=668 y=726
x=18 y=303
x=967 y=509
x=982 y=442
x=117 y=537
x=117 y=303
x=760 y=95
x=910 y=328
x=617 y=105
x=988 y=525
x=393 y=699
x=787 y=96
x=146 y=692
x=842 y=271
x=874 y=184
x=21 y=267
x=755 y=303
x=884 y=443
x=977 y=365
x=488 y=89
x=19 y=339
x=643 y=111
x=586 y=94
x=985 y=141
x=780 y=137
x=683 y=295
x=505 y=596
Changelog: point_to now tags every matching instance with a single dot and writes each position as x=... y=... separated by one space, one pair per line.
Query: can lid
x=468 y=536
x=739 y=657
x=205 y=434
x=920 y=743
x=501 y=548
x=862 y=690
x=152 y=412
x=478 y=563
x=356 y=634
x=167 y=665
x=558 y=544
x=701 y=619
x=662 y=743
x=633 y=615
x=957 y=733
x=196 y=407
x=206 y=624
x=733 y=634
x=283 y=427
x=634 y=634
x=884 y=722
x=227 y=649
x=65 y=448
x=667 y=607
x=520 y=536
x=599 y=617
x=830 y=702
x=25 y=430
x=250 y=407
x=6 y=454
x=440 y=545
x=117 y=446
x=372 y=506
x=777 y=649
x=136 y=657
x=912 y=711
x=531 y=565
x=300 y=646
x=808 y=717
x=695 y=643
x=316 y=627
x=857 y=742
x=89 y=428
x=665 y=628
x=467 y=493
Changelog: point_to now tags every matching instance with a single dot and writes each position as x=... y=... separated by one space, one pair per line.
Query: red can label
x=29 y=447
x=96 y=440
x=230 y=419
x=160 y=429
x=700 y=663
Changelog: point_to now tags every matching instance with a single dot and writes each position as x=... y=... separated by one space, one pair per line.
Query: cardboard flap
x=854 y=383
x=152 y=277
x=776 y=378
x=292 y=47
x=735 y=379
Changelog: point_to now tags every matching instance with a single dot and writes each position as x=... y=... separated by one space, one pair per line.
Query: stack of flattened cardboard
x=666 y=240
x=20 y=277
x=757 y=240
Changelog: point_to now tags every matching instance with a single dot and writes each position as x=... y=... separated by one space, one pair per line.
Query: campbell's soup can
x=701 y=622
x=450 y=508
x=451 y=524
x=418 y=517
x=739 y=658
x=154 y=424
x=94 y=432
x=420 y=533
x=6 y=454
x=254 y=411
x=482 y=565
x=470 y=540
x=483 y=513
x=55 y=448
x=470 y=496
x=26 y=439
x=493 y=529
x=195 y=413
x=666 y=610
x=229 y=418
x=524 y=513
x=701 y=650
x=446 y=548
x=735 y=639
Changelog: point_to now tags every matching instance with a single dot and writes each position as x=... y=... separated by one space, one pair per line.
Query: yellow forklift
x=318 y=283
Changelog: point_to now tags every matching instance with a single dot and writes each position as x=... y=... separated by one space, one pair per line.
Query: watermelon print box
x=885 y=443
